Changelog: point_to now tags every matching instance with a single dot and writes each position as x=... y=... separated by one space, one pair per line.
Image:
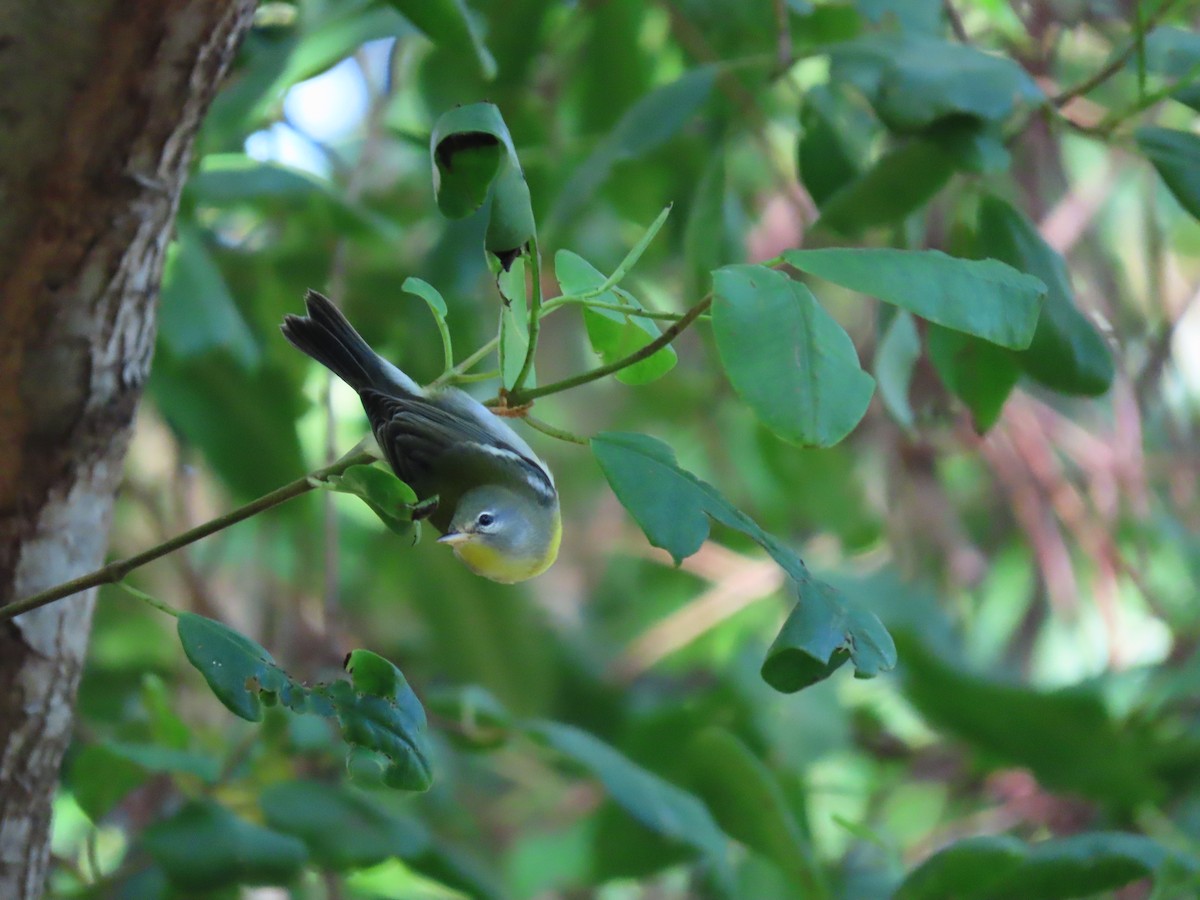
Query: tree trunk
x=99 y=106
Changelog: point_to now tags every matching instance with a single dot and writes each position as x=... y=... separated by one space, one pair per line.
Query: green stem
x=560 y=433
x=465 y=366
x=148 y=600
x=118 y=569
x=560 y=302
x=520 y=398
x=535 y=313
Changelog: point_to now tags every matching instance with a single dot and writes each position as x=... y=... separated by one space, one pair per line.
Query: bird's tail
x=328 y=337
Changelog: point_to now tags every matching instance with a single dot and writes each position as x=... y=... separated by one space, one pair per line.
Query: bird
x=492 y=498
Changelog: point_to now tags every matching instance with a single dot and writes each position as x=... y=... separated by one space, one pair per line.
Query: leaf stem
x=117 y=570
x=454 y=374
x=535 y=313
x=546 y=428
x=516 y=398
x=560 y=302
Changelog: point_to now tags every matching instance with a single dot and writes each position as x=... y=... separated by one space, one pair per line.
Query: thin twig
x=119 y=569
x=452 y=375
x=1114 y=65
x=520 y=398
x=956 y=23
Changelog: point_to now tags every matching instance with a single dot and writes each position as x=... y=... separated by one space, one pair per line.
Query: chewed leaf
x=474 y=158
x=673 y=508
x=376 y=710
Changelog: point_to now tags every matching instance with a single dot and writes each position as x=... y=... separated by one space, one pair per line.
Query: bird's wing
x=442 y=451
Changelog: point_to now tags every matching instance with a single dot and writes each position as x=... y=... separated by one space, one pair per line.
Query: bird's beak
x=454 y=538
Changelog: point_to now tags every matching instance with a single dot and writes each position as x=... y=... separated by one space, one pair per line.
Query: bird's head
x=503 y=534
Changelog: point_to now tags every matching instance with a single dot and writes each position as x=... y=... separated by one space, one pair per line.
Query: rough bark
x=100 y=103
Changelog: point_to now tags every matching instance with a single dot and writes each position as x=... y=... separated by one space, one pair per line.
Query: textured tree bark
x=100 y=103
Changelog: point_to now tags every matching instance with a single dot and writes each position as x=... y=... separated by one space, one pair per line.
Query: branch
x=520 y=398
x=118 y=569
x=1116 y=63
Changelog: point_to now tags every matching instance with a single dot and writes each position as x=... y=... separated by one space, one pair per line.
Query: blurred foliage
x=1018 y=506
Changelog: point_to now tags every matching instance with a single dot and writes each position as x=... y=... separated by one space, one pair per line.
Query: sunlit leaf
x=449 y=22
x=614 y=335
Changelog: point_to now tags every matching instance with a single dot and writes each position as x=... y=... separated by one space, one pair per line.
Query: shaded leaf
x=342 y=828
x=748 y=803
x=786 y=357
x=1067 y=737
x=1176 y=156
x=1067 y=353
x=1000 y=867
x=899 y=350
x=449 y=23
x=514 y=325
x=649 y=123
x=913 y=81
x=197 y=312
x=985 y=298
x=980 y=374
x=672 y=506
x=204 y=846
x=895 y=186
x=661 y=806
x=832 y=146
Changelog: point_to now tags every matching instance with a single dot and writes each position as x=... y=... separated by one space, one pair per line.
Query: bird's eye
x=485 y=519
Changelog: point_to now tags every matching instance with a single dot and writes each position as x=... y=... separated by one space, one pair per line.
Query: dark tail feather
x=329 y=338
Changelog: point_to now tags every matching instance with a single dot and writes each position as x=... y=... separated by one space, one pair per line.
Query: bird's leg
x=423 y=509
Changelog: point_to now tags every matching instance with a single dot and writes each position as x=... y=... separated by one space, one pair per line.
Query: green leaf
x=966 y=869
x=896 y=185
x=662 y=807
x=427 y=292
x=237 y=670
x=613 y=335
x=1001 y=867
x=387 y=496
x=1067 y=353
x=749 y=805
x=483 y=722
x=214 y=405
x=786 y=357
x=204 y=847
x=376 y=710
x=648 y=124
x=380 y=712
x=474 y=159
x=1067 y=737
x=1175 y=53
x=832 y=145
x=449 y=23
x=514 y=325
x=985 y=298
x=672 y=506
x=342 y=828
x=899 y=350
x=913 y=81
x=233 y=179
x=99 y=778
x=980 y=374
x=197 y=312
x=1176 y=156
x=708 y=236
